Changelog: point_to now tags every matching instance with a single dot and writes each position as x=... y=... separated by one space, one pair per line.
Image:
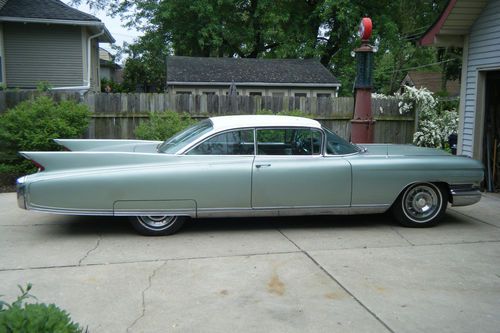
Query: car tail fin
x=37 y=164
x=66 y=160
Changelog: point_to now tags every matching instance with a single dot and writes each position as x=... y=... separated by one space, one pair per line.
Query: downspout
x=89 y=69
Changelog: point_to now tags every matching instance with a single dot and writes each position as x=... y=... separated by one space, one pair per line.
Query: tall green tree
x=324 y=29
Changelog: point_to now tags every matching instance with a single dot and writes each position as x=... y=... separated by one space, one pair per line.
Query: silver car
x=247 y=166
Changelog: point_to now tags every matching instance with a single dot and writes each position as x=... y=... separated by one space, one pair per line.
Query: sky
x=114 y=25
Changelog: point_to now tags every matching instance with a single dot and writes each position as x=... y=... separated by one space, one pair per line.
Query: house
x=472 y=25
x=109 y=69
x=432 y=81
x=46 y=40
x=253 y=77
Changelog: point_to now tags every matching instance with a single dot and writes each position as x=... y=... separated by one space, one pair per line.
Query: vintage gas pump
x=362 y=124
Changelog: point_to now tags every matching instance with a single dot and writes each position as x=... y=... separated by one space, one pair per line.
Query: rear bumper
x=21 y=192
x=464 y=196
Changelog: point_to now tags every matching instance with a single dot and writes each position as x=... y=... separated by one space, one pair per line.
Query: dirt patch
x=276 y=286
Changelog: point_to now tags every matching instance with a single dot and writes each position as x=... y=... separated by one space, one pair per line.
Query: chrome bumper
x=21 y=193
x=464 y=196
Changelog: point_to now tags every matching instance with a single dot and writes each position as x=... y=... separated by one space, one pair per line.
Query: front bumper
x=464 y=195
x=21 y=192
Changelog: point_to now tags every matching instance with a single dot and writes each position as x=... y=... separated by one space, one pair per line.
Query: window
x=183 y=93
x=288 y=141
x=300 y=95
x=229 y=143
x=335 y=145
x=208 y=93
x=255 y=93
x=323 y=95
x=278 y=94
x=185 y=137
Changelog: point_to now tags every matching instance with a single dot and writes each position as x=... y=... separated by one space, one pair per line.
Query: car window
x=239 y=142
x=288 y=141
x=185 y=137
x=335 y=145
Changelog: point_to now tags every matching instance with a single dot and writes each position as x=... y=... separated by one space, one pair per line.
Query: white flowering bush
x=436 y=121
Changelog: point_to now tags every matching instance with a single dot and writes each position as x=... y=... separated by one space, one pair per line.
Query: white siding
x=483 y=54
x=40 y=52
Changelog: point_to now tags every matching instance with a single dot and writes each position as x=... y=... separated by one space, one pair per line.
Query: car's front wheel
x=421 y=205
x=157 y=225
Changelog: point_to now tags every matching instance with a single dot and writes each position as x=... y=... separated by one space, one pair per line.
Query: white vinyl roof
x=228 y=122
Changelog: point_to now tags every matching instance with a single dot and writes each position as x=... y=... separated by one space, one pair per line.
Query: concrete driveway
x=307 y=274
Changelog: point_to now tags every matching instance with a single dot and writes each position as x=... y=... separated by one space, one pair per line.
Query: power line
x=415 y=31
x=421 y=66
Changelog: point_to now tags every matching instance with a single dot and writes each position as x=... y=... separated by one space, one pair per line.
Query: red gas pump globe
x=365 y=28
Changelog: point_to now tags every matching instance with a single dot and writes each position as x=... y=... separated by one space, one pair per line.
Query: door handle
x=258 y=166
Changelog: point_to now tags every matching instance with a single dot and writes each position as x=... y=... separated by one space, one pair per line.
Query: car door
x=290 y=171
x=220 y=180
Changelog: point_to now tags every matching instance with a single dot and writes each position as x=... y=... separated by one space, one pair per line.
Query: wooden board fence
x=117 y=115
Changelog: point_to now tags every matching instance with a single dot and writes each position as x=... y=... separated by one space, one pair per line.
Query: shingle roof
x=431 y=81
x=44 y=9
x=239 y=70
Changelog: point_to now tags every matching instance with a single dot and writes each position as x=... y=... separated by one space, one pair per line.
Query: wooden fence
x=117 y=115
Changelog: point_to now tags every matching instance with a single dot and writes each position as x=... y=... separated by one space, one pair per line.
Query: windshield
x=184 y=138
x=335 y=145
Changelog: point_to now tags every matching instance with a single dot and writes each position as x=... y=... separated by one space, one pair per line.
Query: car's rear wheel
x=157 y=225
x=421 y=205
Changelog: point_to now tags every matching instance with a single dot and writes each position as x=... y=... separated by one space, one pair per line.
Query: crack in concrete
x=401 y=235
x=91 y=250
x=474 y=218
x=143 y=312
x=237 y=255
x=338 y=283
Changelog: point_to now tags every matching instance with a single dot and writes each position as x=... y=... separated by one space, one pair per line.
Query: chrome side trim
x=170 y=212
x=369 y=209
x=64 y=211
x=224 y=212
x=291 y=211
x=463 y=196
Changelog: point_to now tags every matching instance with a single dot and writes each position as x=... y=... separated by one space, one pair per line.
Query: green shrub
x=43 y=86
x=163 y=125
x=34 y=318
x=115 y=86
x=32 y=125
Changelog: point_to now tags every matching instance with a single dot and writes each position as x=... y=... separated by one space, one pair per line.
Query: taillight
x=38 y=165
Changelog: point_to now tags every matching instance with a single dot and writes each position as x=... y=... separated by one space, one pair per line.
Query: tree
x=324 y=29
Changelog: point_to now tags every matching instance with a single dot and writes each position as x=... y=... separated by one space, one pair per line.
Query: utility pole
x=362 y=124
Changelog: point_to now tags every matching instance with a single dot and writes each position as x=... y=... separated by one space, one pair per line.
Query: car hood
x=402 y=150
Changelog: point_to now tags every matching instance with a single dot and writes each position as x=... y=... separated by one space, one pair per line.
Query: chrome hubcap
x=422 y=203
x=157 y=222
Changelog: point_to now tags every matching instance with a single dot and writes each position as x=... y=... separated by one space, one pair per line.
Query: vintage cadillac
x=247 y=166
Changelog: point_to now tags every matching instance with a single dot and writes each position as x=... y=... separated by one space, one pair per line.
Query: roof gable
x=245 y=70
x=453 y=23
x=44 y=9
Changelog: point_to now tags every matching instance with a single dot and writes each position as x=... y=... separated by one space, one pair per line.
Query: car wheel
x=157 y=225
x=421 y=205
